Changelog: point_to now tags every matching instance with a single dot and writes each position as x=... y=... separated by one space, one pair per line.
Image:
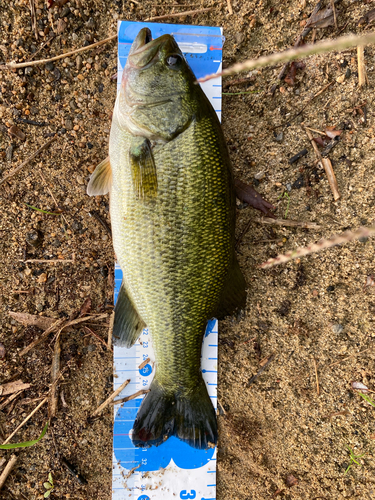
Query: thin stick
x=8 y=468
x=51 y=194
x=44 y=335
x=349 y=357
x=288 y=223
x=31 y=158
x=314 y=130
x=361 y=66
x=316 y=377
x=24 y=422
x=10 y=399
x=111 y=398
x=339 y=44
x=47 y=261
x=327 y=165
x=179 y=14
x=362 y=232
x=79 y=320
x=110 y=330
x=334 y=12
x=260 y=371
x=33 y=18
x=230 y=10
x=55 y=368
x=90 y=332
x=13 y=65
x=144 y=363
x=133 y=396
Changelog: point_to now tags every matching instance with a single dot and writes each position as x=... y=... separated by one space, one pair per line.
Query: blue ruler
x=173 y=470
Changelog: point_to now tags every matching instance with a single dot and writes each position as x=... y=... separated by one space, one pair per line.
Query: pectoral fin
x=143 y=168
x=128 y=325
x=233 y=296
x=101 y=179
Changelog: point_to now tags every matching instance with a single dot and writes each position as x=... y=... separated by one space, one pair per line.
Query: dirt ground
x=284 y=435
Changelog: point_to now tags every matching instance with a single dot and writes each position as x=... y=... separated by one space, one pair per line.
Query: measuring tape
x=173 y=470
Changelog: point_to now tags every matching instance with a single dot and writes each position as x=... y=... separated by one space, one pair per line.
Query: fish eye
x=174 y=61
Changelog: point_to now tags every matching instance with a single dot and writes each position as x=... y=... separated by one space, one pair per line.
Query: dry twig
x=288 y=223
x=13 y=65
x=110 y=330
x=55 y=368
x=362 y=76
x=31 y=158
x=179 y=14
x=24 y=421
x=316 y=377
x=8 y=468
x=349 y=357
x=111 y=398
x=133 y=396
x=327 y=165
x=362 y=232
x=339 y=44
x=229 y=4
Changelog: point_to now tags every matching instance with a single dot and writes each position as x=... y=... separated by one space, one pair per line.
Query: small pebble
x=17 y=132
x=42 y=278
x=79 y=63
x=100 y=87
x=91 y=168
x=9 y=152
x=279 y=137
x=259 y=175
x=65 y=12
x=288 y=186
x=82 y=145
x=337 y=328
x=49 y=66
x=2 y=351
x=34 y=238
x=340 y=79
x=68 y=124
x=80 y=180
x=29 y=71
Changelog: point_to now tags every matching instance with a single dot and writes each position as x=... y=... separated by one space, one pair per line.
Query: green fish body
x=172 y=208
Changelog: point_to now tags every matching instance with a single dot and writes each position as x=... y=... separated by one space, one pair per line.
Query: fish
x=172 y=208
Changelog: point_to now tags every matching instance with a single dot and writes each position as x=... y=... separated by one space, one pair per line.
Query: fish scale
x=164 y=246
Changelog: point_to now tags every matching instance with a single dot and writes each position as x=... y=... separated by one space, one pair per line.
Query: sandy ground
x=281 y=436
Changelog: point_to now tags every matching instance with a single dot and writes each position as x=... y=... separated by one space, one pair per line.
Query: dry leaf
x=322 y=19
x=12 y=387
x=331 y=133
x=86 y=307
x=41 y=322
x=291 y=76
x=291 y=480
x=358 y=386
x=247 y=193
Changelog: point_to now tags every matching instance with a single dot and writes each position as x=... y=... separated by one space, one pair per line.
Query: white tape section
x=173 y=470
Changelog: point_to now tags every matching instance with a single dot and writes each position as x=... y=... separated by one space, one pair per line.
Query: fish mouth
x=145 y=49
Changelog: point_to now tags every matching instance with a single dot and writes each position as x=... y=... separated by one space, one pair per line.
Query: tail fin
x=189 y=417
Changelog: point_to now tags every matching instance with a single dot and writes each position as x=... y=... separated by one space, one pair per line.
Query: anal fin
x=143 y=168
x=128 y=325
x=233 y=296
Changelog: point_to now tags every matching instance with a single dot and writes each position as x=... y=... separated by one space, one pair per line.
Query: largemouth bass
x=172 y=207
